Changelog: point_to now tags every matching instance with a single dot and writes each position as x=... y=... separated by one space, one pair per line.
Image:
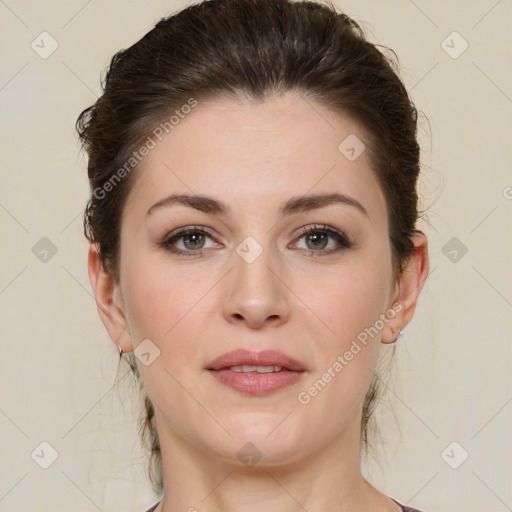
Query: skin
x=253 y=157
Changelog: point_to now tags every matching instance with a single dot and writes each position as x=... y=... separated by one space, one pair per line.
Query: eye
x=319 y=240
x=317 y=237
x=189 y=241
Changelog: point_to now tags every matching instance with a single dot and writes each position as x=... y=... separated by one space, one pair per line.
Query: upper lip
x=246 y=357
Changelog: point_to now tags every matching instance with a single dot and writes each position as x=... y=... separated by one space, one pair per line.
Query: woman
x=253 y=168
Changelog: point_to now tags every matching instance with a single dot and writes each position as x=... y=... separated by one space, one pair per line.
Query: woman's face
x=248 y=277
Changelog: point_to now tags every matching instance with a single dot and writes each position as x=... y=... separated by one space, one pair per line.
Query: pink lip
x=264 y=358
x=256 y=384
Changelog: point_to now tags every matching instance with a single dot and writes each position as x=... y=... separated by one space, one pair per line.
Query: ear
x=109 y=301
x=407 y=289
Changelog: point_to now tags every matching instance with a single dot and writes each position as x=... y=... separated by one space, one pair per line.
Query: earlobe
x=393 y=330
x=408 y=288
x=109 y=301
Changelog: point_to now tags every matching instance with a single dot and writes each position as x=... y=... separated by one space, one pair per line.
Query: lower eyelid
x=170 y=242
x=342 y=240
x=340 y=237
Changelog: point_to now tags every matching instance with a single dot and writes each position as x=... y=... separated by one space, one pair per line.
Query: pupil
x=316 y=238
x=197 y=237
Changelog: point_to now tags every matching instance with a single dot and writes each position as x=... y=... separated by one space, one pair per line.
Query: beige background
x=57 y=366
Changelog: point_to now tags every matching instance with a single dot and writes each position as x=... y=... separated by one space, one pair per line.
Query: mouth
x=256 y=373
x=247 y=361
x=257 y=369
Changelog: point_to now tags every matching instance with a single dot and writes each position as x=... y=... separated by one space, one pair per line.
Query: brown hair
x=254 y=49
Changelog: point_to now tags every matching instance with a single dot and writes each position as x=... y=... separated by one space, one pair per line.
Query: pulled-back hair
x=253 y=49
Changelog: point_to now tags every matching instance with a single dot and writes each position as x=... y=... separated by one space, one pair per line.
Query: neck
x=328 y=478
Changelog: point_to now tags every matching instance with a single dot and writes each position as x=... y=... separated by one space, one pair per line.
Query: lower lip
x=256 y=384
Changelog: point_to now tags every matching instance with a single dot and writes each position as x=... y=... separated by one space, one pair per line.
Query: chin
x=260 y=454
x=257 y=446
x=268 y=428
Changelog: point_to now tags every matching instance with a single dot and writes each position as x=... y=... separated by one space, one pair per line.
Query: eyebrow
x=295 y=204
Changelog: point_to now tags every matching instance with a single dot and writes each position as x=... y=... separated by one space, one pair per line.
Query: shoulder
x=403 y=507
x=406 y=508
x=152 y=508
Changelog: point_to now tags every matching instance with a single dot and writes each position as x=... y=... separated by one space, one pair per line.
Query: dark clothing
x=404 y=508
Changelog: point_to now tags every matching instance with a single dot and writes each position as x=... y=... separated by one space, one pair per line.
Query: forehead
x=254 y=155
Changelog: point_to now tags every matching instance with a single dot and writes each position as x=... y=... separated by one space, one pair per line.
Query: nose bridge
x=255 y=293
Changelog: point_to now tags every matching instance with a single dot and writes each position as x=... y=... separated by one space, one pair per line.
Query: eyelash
x=339 y=236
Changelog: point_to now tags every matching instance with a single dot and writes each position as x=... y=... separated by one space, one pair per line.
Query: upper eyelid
x=343 y=238
x=188 y=229
x=303 y=231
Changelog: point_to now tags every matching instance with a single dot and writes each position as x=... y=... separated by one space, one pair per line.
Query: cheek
x=352 y=304
x=159 y=300
x=346 y=300
x=347 y=353
x=163 y=306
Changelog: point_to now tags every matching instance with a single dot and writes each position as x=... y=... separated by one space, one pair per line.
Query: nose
x=254 y=294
